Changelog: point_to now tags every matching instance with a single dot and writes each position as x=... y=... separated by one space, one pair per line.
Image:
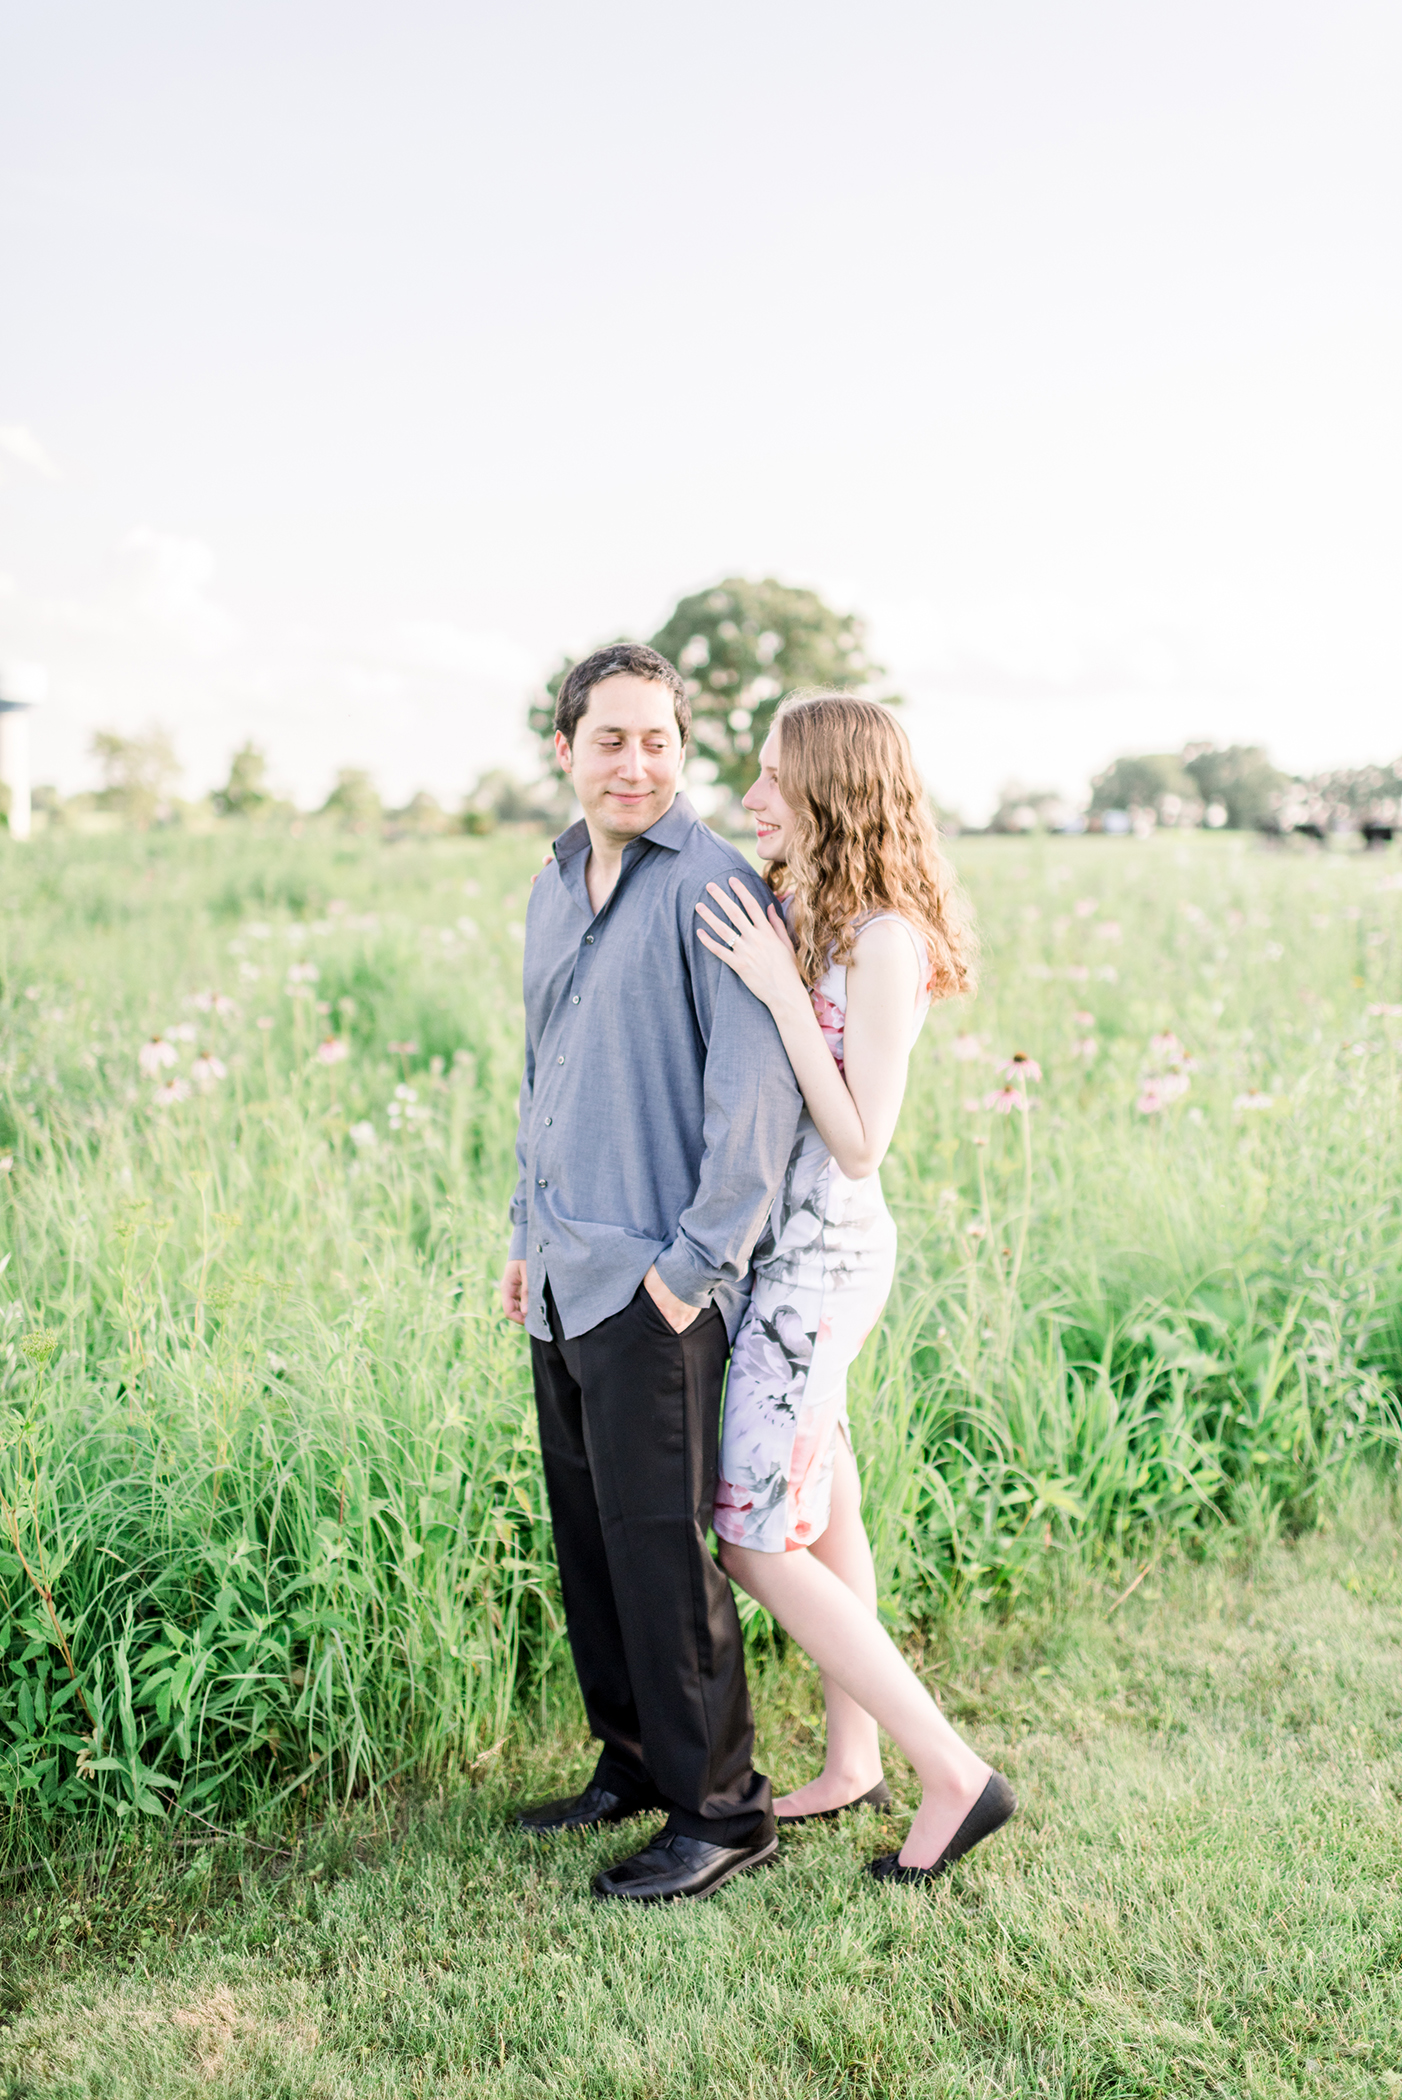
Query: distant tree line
x=1233 y=787
x=741 y=646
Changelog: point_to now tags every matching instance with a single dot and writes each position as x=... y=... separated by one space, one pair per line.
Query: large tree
x=741 y=646
x=1241 y=779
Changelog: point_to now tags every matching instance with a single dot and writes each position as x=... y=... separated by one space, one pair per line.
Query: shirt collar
x=671 y=830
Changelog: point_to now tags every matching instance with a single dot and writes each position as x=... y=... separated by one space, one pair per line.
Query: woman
x=867 y=937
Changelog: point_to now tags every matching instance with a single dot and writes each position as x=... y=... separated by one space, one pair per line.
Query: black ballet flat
x=995 y=1806
x=878 y=1797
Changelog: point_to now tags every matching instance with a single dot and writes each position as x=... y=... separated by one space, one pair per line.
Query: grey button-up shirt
x=659 y=1107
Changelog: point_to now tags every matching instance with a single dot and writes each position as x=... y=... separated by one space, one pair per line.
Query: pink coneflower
x=1005 y=1100
x=968 y=1049
x=7 y=1162
x=207 y=1070
x=153 y=1057
x=264 y=1021
x=1086 y=907
x=409 y=1049
x=1109 y=930
x=1391 y=1013
x=1080 y=1019
x=363 y=1136
x=183 y=1032
x=173 y=1090
x=976 y=1229
x=203 y=1002
x=303 y=973
x=1021 y=1066
x=972 y=1105
x=1085 y=1046
x=1158 y=1094
x=1253 y=1098
x=333 y=1051
x=1166 y=1049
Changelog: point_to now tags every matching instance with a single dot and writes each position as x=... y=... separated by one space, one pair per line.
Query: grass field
x=1202 y=1896
x=272 y=1540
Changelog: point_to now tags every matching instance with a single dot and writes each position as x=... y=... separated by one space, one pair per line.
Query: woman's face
x=774 y=819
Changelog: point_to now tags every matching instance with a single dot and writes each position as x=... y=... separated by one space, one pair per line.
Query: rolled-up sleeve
x=752 y=1107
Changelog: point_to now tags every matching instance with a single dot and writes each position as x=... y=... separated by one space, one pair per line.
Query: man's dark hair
x=620 y=657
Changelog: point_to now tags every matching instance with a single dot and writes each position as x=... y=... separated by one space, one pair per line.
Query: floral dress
x=822 y=1273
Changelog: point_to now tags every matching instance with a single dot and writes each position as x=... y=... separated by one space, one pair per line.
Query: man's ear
x=563 y=752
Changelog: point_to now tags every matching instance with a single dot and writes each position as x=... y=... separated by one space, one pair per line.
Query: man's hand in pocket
x=675 y=1311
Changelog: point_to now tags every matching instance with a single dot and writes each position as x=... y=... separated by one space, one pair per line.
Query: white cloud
x=18 y=442
x=438 y=645
x=167 y=586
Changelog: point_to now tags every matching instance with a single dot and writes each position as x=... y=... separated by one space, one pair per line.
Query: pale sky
x=356 y=361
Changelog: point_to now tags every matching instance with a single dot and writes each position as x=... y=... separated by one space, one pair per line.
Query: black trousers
x=629 y=1424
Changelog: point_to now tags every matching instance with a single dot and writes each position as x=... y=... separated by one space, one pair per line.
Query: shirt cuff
x=517 y=1249
x=684 y=1276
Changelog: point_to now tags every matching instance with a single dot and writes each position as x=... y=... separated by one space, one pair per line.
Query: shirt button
x=542 y=1184
x=575 y=1000
x=589 y=940
x=548 y=1121
x=540 y=1246
x=559 y=1060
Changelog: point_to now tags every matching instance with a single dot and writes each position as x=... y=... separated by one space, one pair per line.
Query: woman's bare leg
x=849 y=1644
x=852 y=1765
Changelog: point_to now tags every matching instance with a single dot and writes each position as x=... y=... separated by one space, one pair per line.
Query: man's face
x=626 y=758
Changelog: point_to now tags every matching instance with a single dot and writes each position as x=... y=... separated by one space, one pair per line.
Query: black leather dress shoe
x=590 y=1810
x=993 y=1808
x=878 y=1796
x=674 y=1866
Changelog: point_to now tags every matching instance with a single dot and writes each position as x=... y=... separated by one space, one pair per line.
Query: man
x=658 y=1111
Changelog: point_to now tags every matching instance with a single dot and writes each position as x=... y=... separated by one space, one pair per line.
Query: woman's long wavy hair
x=864 y=839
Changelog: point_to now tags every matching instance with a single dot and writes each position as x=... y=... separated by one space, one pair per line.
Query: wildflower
x=183 y=1032
x=1107 y=974
x=409 y=1049
x=976 y=1229
x=1109 y=930
x=152 y=1057
x=968 y=1049
x=1086 y=907
x=302 y=973
x=257 y=931
x=1160 y=1093
x=225 y=1006
x=323 y=1006
x=1085 y=1046
x=972 y=1106
x=1077 y=973
x=1391 y=1013
x=1005 y=1100
x=7 y=1161
x=1319 y=920
x=1273 y=951
x=264 y=1021
x=345 y=1005
x=173 y=1090
x=406 y=1093
x=249 y=973
x=363 y=1136
x=333 y=1051
x=207 y=1071
x=1253 y=1098
x=1080 y=1019
x=203 y=1002
x=1166 y=1049
x=1021 y=1066
x=1194 y=914
x=468 y=929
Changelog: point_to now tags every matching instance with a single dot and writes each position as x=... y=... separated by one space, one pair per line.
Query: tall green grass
x=271 y=1520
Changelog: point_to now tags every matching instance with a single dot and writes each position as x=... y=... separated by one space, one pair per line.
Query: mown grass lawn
x=1203 y=1894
